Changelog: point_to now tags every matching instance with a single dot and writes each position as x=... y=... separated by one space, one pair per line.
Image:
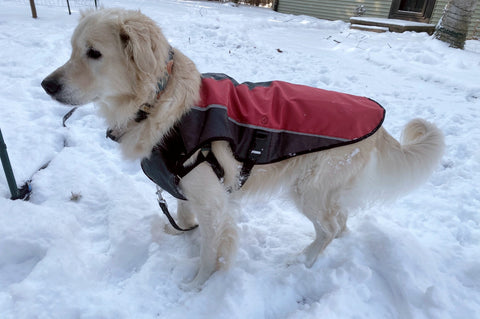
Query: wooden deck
x=392 y=25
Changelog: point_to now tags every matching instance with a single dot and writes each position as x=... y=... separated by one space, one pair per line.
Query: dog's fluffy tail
x=399 y=167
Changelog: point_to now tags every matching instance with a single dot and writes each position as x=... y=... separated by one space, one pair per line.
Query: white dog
x=121 y=61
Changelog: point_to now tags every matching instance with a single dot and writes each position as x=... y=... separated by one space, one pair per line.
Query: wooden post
x=34 y=10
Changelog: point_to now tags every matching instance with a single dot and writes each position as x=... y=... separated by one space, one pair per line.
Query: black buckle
x=260 y=141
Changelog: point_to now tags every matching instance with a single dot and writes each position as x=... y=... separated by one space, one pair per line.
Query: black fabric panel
x=201 y=126
x=162 y=165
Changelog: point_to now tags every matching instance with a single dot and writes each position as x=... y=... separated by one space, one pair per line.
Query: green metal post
x=12 y=184
x=17 y=193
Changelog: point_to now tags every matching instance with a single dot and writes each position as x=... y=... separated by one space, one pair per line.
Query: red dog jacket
x=263 y=122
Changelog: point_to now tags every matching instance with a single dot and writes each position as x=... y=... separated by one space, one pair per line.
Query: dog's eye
x=94 y=54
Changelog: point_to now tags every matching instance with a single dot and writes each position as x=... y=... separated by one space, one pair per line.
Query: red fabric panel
x=296 y=108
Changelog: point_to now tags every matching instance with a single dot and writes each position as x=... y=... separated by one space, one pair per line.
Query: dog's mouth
x=66 y=101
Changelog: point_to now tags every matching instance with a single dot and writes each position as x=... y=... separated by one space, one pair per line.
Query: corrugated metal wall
x=344 y=9
x=475 y=25
x=334 y=10
x=438 y=10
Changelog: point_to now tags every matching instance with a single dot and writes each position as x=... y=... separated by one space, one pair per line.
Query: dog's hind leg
x=209 y=200
x=328 y=219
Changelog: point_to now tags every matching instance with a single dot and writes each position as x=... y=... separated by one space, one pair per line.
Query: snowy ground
x=90 y=242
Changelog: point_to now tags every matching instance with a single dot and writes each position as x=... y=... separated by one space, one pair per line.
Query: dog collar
x=146 y=108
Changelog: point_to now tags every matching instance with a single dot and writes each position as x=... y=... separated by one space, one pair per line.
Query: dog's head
x=116 y=54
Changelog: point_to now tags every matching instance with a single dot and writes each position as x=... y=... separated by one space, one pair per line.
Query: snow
x=90 y=241
x=398 y=22
x=369 y=28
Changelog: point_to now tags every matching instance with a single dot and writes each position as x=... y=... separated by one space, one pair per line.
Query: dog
x=142 y=86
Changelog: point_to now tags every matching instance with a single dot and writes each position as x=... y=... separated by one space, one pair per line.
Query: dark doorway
x=413 y=10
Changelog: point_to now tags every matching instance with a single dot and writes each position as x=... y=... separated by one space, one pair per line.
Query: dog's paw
x=170 y=230
x=309 y=255
x=198 y=282
x=300 y=259
x=191 y=286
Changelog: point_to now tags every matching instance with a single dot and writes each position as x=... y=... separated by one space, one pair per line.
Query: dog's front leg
x=208 y=199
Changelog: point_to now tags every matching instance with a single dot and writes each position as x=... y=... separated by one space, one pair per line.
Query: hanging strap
x=67 y=116
x=163 y=205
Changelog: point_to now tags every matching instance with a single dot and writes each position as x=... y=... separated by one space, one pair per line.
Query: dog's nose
x=51 y=86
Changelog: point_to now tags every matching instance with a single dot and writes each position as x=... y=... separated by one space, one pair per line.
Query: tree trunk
x=453 y=26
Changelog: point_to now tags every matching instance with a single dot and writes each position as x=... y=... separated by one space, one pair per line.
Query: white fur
x=323 y=185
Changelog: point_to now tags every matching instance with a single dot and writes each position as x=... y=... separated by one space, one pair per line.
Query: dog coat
x=263 y=122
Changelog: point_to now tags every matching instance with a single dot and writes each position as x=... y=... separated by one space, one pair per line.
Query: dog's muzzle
x=54 y=87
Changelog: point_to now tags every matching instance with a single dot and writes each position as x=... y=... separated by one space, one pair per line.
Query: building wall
x=344 y=9
x=334 y=10
x=438 y=11
x=475 y=24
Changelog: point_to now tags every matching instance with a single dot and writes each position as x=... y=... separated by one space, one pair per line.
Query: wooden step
x=393 y=25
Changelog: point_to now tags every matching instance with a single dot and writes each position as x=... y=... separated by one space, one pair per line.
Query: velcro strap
x=209 y=158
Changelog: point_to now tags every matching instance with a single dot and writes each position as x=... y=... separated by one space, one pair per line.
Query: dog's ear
x=85 y=12
x=138 y=46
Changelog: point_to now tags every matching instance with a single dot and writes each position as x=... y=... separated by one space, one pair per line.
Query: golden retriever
x=117 y=58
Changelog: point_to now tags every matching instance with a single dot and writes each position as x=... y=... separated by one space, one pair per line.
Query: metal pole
x=7 y=167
